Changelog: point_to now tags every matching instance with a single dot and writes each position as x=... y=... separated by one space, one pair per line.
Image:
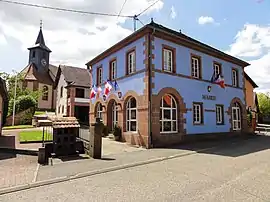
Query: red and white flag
x=93 y=93
x=108 y=88
x=220 y=81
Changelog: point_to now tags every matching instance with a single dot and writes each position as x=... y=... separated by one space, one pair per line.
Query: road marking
x=35 y=173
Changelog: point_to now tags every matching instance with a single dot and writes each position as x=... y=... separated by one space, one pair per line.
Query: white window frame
x=234 y=78
x=99 y=111
x=168 y=60
x=113 y=70
x=100 y=76
x=128 y=115
x=162 y=108
x=131 y=62
x=114 y=114
x=219 y=114
x=195 y=67
x=197 y=113
x=236 y=123
x=217 y=69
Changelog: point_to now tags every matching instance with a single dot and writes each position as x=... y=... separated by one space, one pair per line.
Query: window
x=236 y=117
x=63 y=109
x=217 y=69
x=114 y=114
x=61 y=91
x=112 y=70
x=131 y=68
x=168 y=60
x=68 y=93
x=79 y=92
x=219 y=114
x=195 y=67
x=235 y=78
x=59 y=108
x=45 y=93
x=99 y=111
x=168 y=114
x=131 y=115
x=197 y=113
x=34 y=54
x=99 y=76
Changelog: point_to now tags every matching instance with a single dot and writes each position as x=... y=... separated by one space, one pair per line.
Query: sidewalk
x=74 y=167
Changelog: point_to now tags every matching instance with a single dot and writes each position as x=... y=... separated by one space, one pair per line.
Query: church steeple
x=39 y=53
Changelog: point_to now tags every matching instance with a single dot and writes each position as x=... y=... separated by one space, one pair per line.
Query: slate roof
x=75 y=76
x=40 y=42
x=53 y=71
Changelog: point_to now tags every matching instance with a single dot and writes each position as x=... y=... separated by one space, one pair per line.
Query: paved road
x=240 y=172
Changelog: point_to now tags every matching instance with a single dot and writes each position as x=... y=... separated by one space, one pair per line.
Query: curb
x=94 y=172
x=20 y=151
x=100 y=171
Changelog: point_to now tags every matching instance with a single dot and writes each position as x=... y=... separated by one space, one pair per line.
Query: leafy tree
x=21 y=91
x=264 y=103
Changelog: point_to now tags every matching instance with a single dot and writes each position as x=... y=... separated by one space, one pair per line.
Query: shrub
x=105 y=131
x=117 y=132
x=23 y=103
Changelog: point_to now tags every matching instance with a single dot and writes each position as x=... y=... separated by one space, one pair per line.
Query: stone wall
x=19 y=117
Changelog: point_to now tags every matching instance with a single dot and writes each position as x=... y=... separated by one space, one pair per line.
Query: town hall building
x=171 y=88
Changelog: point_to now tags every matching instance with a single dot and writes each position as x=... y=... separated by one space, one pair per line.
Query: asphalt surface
x=237 y=172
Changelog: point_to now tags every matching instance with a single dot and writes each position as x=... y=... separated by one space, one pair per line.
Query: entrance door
x=236 y=117
x=114 y=115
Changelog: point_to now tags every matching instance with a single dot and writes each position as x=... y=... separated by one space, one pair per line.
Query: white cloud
x=73 y=38
x=206 y=20
x=253 y=43
x=173 y=13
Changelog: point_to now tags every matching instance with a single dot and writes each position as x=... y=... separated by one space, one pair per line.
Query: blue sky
x=18 y=29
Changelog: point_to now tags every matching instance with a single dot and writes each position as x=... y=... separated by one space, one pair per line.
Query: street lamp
x=14 y=100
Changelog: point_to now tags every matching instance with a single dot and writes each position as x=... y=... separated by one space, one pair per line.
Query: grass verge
x=34 y=136
x=17 y=127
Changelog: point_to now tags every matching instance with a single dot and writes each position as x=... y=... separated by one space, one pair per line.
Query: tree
x=264 y=103
x=20 y=90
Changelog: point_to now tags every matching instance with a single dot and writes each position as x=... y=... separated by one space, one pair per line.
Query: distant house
x=3 y=102
x=251 y=99
x=39 y=74
x=72 y=85
x=166 y=91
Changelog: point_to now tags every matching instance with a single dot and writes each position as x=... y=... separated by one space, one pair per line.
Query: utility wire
x=64 y=9
x=121 y=9
x=148 y=8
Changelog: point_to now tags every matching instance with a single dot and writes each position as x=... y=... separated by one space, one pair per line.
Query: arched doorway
x=112 y=114
x=236 y=117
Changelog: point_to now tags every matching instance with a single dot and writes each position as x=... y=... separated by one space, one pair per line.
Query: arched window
x=168 y=114
x=131 y=115
x=45 y=93
x=236 y=116
x=99 y=111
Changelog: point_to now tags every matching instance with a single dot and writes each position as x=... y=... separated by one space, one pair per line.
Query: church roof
x=40 y=42
x=53 y=71
x=32 y=74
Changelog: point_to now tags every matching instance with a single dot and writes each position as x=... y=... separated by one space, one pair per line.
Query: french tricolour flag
x=108 y=88
x=93 y=92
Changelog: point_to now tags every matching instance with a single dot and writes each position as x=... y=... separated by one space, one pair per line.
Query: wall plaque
x=208 y=97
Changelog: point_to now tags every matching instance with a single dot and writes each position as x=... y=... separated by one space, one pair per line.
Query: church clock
x=43 y=62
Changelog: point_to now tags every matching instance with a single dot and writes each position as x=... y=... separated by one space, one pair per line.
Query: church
x=40 y=75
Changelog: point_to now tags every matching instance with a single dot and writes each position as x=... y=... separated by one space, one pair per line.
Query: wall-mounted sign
x=208 y=97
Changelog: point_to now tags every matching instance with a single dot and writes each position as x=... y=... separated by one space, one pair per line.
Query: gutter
x=150 y=87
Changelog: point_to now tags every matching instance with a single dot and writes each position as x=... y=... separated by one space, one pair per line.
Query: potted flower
x=117 y=132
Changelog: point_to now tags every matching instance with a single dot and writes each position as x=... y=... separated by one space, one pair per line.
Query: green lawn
x=35 y=135
x=40 y=112
x=17 y=127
